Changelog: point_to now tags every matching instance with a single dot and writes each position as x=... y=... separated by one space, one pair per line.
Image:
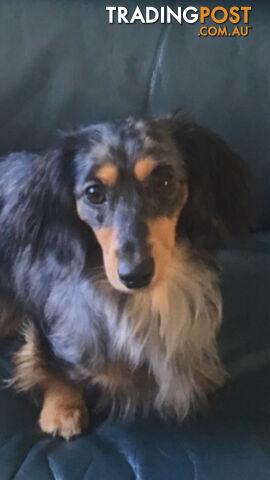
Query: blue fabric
x=229 y=441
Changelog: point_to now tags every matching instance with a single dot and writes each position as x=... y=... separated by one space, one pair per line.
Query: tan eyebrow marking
x=107 y=174
x=144 y=167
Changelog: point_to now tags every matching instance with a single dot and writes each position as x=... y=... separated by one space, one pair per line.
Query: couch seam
x=158 y=55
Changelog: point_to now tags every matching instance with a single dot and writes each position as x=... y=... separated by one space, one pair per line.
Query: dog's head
x=130 y=187
x=141 y=186
x=144 y=185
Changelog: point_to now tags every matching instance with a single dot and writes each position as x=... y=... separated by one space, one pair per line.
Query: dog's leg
x=64 y=412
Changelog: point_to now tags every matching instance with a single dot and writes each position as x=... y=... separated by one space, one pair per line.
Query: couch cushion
x=259 y=242
x=231 y=441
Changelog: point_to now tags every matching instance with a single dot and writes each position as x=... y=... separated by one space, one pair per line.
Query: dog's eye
x=162 y=177
x=95 y=193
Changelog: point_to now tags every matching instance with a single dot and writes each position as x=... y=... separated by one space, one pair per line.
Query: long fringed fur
x=29 y=368
x=174 y=331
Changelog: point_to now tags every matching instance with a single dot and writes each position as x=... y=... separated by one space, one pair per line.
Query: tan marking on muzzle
x=162 y=241
x=107 y=174
x=107 y=238
x=162 y=236
x=143 y=168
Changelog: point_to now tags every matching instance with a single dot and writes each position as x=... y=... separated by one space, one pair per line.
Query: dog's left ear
x=220 y=185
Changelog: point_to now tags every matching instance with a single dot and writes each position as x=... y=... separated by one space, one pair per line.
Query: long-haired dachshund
x=107 y=248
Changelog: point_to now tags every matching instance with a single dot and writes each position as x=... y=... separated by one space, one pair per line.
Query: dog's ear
x=220 y=185
x=43 y=198
x=44 y=215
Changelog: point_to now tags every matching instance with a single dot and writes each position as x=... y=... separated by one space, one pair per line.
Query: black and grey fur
x=52 y=266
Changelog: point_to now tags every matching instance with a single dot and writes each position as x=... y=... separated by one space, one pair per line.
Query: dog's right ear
x=43 y=198
x=44 y=212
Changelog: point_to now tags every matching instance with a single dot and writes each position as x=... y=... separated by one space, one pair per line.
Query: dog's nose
x=136 y=276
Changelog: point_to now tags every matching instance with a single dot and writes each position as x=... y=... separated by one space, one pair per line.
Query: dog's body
x=138 y=316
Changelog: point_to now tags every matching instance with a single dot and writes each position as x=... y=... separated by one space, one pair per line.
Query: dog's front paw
x=63 y=416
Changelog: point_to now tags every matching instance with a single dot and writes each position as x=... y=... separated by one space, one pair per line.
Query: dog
x=108 y=264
